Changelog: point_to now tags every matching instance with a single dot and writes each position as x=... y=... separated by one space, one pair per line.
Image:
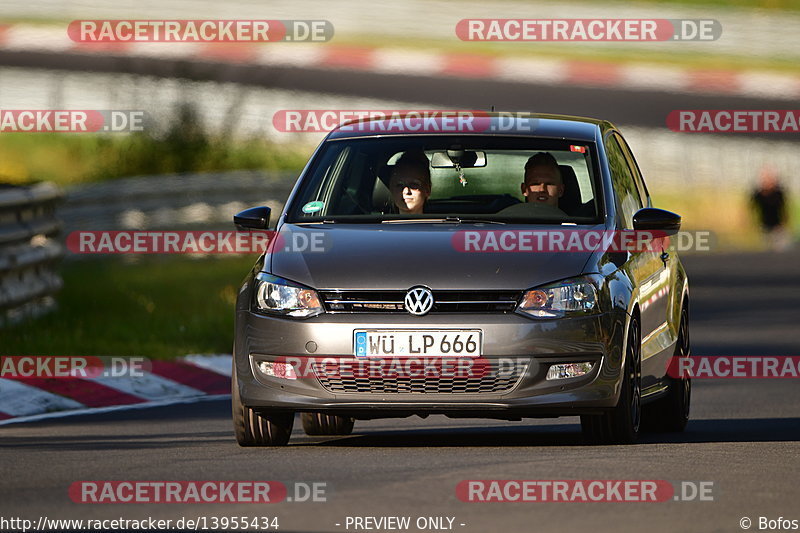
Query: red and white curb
x=765 y=84
x=188 y=379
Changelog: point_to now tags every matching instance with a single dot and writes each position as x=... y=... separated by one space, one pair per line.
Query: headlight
x=278 y=296
x=575 y=296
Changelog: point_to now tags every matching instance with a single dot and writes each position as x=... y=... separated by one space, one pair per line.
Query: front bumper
x=535 y=343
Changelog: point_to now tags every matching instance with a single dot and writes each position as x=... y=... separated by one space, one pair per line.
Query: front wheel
x=621 y=424
x=253 y=428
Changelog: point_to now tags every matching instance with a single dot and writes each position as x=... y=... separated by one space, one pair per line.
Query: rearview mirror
x=253 y=218
x=465 y=158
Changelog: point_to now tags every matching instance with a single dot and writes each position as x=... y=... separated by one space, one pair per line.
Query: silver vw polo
x=424 y=267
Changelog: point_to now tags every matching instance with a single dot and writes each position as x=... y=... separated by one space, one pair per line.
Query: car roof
x=471 y=122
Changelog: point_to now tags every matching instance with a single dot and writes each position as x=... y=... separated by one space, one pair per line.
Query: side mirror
x=654 y=219
x=253 y=218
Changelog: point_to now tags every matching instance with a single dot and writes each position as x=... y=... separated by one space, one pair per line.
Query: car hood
x=399 y=256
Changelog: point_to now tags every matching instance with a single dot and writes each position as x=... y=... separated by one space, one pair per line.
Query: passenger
x=410 y=182
x=542 y=182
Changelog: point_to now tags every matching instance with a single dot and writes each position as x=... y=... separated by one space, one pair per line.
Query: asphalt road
x=742 y=437
x=646 y=108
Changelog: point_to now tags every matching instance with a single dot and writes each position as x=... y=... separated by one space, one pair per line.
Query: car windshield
x=450 y=178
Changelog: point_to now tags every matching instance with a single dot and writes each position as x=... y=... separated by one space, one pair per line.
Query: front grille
x=400 y=377
x=444 y=301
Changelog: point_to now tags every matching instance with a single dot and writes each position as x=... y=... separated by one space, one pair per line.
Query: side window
x=323 y=195
x=356 y=186
x=637 y=174
x=627 y=195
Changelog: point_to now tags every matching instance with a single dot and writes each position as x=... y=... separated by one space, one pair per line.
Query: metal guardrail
x=30 y=244
x=28 y=251
x=179 y=201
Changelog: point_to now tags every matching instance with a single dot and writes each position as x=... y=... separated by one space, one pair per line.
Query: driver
x=542 y=181
x=410 y=182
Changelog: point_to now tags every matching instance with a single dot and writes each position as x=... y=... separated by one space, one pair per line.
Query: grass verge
x=71 y=159
x=691 y=59
x=180 y=143
x=728 y=214
x=156 y=307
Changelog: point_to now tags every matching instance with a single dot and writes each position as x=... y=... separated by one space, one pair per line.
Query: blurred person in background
x=769 y=201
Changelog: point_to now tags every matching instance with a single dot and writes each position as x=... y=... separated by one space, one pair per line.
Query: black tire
x=621 y=424
x=594 y=429
x=258 y=428
x=670 y=414
x=322 y=424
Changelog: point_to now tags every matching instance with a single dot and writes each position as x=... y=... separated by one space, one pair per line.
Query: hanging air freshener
x=461 y=179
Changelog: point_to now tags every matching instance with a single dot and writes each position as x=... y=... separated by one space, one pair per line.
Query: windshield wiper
x=354 y=219
x=361 y=219
x=446 y=220
x=459 y=220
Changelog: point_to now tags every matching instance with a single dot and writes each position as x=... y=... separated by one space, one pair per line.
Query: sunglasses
x=415 y=185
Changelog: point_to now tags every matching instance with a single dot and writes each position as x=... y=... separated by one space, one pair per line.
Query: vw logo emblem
x=419 y=300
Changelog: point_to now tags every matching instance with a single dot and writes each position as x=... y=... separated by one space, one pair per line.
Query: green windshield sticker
x=313 y=207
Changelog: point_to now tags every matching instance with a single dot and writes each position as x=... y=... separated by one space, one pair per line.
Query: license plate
x=417 y=343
